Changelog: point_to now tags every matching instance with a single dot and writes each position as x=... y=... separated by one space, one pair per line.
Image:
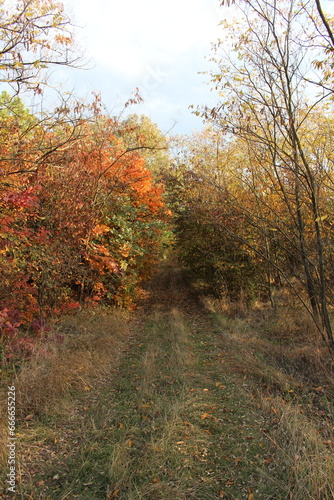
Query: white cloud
x=154 y=45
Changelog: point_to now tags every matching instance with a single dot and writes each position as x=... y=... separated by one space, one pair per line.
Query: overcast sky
x=154 y=45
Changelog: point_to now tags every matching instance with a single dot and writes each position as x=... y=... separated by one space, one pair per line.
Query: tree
x=81 y=217
x=262 y=87
x=141 y=132
x=201 y=187
x=322 y=37
x=34 y=35
x=86 y=226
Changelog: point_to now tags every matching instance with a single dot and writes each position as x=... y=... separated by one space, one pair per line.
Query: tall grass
x=79 y=350
x=290 y=372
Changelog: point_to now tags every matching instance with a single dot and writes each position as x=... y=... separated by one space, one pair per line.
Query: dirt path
x=170 y=421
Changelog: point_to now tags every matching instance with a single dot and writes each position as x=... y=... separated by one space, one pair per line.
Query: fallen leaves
x=114 y=494
x=250 y=494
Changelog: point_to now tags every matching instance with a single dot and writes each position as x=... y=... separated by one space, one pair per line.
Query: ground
x=173 y=415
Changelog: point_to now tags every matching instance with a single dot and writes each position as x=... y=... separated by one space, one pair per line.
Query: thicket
x=257 y=185
x=83 y=219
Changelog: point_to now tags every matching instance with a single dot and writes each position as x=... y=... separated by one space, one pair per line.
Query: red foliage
x=85 y=226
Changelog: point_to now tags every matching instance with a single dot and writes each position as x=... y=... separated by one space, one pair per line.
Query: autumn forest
x=115 y=235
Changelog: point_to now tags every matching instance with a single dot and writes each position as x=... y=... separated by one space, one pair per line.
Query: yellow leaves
x=102 y=250
x=101 y=229
x=63 y=40
x=123 y=265
x=250 y=494
x=208 y=415
x=125 y=250
x=114 y=494
x=318 y=64
x=99 y=287
x=320 y=219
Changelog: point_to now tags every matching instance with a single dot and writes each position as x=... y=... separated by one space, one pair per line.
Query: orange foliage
x=83 y=225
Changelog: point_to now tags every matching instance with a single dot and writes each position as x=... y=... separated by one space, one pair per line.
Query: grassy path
x=171 y=420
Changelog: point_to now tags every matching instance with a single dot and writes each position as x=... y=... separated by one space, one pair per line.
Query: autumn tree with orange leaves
x=81 y=217
x=84 y=226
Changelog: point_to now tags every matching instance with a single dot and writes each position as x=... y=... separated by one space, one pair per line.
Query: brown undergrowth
x=78 y=351
x=290 y=372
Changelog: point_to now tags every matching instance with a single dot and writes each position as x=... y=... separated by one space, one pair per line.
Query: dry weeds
x=290 y=372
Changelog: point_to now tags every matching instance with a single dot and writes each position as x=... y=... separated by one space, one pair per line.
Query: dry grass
x=290 y=372
x=78 y=351
x=199 y=406
x=307 y=459
x=91 y=342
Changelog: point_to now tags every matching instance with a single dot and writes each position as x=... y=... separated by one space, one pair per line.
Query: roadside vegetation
x=185 y=398
x=166 y=304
